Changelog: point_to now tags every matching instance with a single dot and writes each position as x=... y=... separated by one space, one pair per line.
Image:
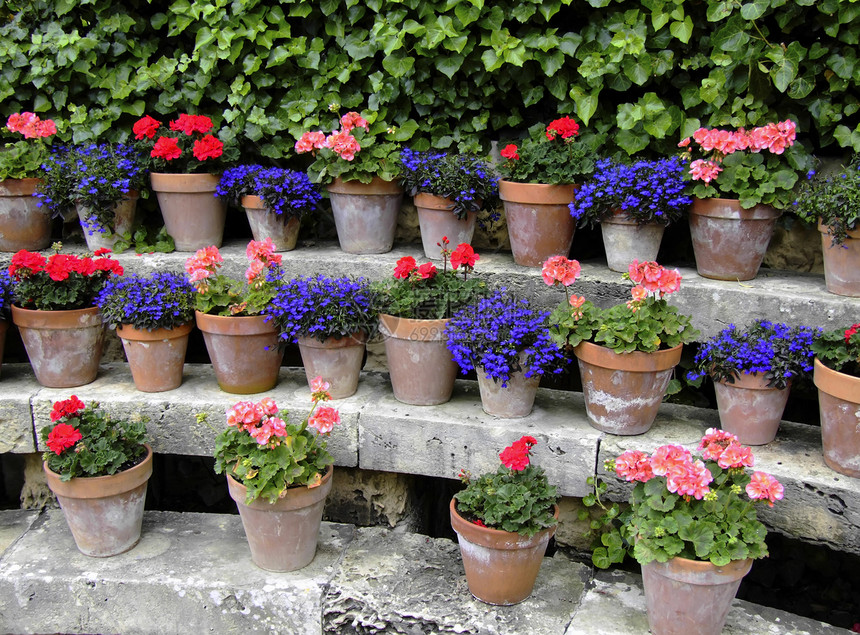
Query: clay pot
x=336 y=359
x=539 y=220
x=244 y=351
x=750 y=409
x=729 y=242
x=501 y=567
x=513 y=401
x=436 y=220
x=156 y=358
x=421 y=367
x=124 y=213
x=104 y=513
x=839 y=405
x=23 y=224
x=623 y=391
x=365 y=214
x=626 y=240
x=284 y=232
x=192 y=214
x=841 y=263
x=283 y=535
x=64 y=347
x=689 y=596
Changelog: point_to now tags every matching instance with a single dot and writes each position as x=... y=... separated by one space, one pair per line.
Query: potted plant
x=741 y=180
x=330 y=319
x=449 y=191
x=153 y=315
x=626 y=353
x=241 y=341
x=633 y=204
x=837 y=377
x=504 y=521
x=56 y=314
x=833 y=201
x=359 y=163
x=279 y=473
x=186 y=159
x=414 y=308
x=275 y=199
x=539 y=178
x=98 y=468
x=692 y=525
x=752 y=372
x=23 y=224
x=507 y=343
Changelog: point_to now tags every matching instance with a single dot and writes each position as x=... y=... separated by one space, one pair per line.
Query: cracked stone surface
x=16 y=420
x=13 y=524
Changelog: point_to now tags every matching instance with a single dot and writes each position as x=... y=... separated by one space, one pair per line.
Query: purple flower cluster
x=778 y=351
x=492 y=334
x=647 y=191
x=5 y=290
x=285 y=192
x=153 y=301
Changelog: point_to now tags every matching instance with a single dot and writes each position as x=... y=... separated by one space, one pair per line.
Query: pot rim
x=19 y=187
x=129 y=332
x=686 y=570
x=518 y=192
x=69 y=318
x=234 y=324
x=184 y=182
x=412 y=328
x=498 y=538
x=825 y=230
x=101 y=486
x=730 y=209
x=751 y=381
x=347 y=340
x=832 y=382
x=635 y=361
x=377 y=187
x=296 y=497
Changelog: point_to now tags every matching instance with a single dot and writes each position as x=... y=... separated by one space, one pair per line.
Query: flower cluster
x=651 y=279
x=647 y=191
x=59 y=282
x=566 y=128
x=159 y=300
x=501 y=335
x=30 y=125
x=341 y=142
x=171 y=144
x=23 y=158
x=286 y=193
x=839 y=350
x=777 y=351
x=5 y=290
x=833 y=200
x=267 y=453
x=516 y=498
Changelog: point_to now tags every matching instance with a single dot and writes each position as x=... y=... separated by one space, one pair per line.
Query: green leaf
x=682 y=30
x=398 y=64
x=755 y=9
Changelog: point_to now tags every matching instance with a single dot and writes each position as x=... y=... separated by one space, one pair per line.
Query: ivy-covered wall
x=454 y=72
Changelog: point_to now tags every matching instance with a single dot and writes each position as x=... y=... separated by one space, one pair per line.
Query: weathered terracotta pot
x=4 y=326
x=839 y=406
x=513 y=401
x=104 y=513
x=436 y=220
x=841 y=263
x=337 y=360
x=688 y=596
x=64 y=347
x=156 y=358
x=283 y=536
x=23 y=224
x=192 y=213
x=750 y=409
x=365 y=214
x=284 y=232
x=729 y=242
x=124 y=214
x=625 y=240
x=244 y=351
x=623 y=391
x=539 y=220
x=501 y=567
x=421 y=367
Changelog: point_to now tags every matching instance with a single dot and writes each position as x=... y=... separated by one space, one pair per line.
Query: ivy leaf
x=682 y=30
x=398 y=64
x=638 y=69
x=754 y=10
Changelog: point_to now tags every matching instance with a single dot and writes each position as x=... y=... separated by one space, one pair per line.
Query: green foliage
x=834 y=200
x=145 y=240
x=556 y=162
x=840 y=350
x=22 y=159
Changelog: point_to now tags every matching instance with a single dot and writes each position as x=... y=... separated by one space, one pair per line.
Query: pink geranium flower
x=634 y=465
x=560 y=269
x=763 y=486
x=324 y=419
x=666 y=457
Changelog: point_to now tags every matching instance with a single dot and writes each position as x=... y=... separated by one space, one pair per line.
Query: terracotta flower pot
x=284 y=232
x=104 y=513
x=625 y=240
x=283 y=536
x=365 y=214
x=244 y=351
x=539 y=220
x=623 y=391
x=436 y=220
x=750 y=409
x=192 y=213
x=337 y=360
x=501 y=567
x=421 y=367
x=729 y=242
x=156 y=358
x=23 y=224
x=839 y=405
x=513 y=401
x=64 y=347
x=841 y=263
x=688 y=596
x=124 y=214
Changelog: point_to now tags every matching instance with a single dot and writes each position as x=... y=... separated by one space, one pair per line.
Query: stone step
x=193 y=573
x=377 y=432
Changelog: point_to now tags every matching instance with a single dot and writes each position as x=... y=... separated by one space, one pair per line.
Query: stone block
x=16 y=420
x=13 y=524
x=368 y=497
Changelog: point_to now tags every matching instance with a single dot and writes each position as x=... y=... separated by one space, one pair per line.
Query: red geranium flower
x=566 y=127
x=60 y=266
x=61 y=437
x=27 y=261
x=516 y=456
x=510 y=152
x=404 y=267
x=427 y=270
x=145 y=127
x=109 y=265
x=66 y=408
x=166 y=148
x=851 y=331
x=464 y=255
x=208 y=147
x=189 y=124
